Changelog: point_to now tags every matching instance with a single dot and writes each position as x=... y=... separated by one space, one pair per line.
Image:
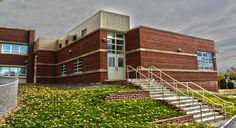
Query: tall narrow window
x=83 y=32
x=205 y=60
x=77 y=66
x=63 y=69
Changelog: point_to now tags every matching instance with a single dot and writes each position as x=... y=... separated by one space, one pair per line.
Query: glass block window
x=205 y=60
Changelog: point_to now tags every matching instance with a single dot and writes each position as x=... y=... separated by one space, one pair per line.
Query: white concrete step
x=184 y=101
x=192 y=108
x=211 y=119
x=187 y=104
x=197 y=111
x=172 y=98
x=205 y=114
x=161 y=92
x=160 y=95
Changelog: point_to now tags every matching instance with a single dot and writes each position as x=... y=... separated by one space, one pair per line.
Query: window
x=83 y=32
x=15 y=49
x=77 y=66
x=120 y=62
x=63 y=69
x=66 y=42
x=74 y=37
x=60 y=45
x=115 y=43
x=205 y=60
x=111 y=62
x=12 y=71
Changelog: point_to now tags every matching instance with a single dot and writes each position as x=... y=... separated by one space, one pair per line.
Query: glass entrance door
x=116 y=56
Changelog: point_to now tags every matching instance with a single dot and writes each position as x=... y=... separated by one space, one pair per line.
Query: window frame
x=18 y=51
x=205 y=60
x=77 y=66
x=63 y=69
x=12 y=69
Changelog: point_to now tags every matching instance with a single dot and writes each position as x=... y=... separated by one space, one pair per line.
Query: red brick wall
x=128 y=96
x=168 y=61
x=30 y=63
x=85 y=78
x=46 y=57
x=150 y=38
x=91 y=62
x=14 y=35
x=7 y=59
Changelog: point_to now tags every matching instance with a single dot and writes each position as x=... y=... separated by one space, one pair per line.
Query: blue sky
x=211 y=19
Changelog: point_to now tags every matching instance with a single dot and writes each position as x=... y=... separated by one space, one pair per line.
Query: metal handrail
x=188 y=88
x=223 y=106
x=204 y=90
x=176 y=89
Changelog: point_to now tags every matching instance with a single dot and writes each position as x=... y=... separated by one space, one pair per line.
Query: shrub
x=223 y=84
x=230 y=85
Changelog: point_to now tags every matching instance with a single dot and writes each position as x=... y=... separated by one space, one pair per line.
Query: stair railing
x=223 y=106
x=176 y=89
x=204 y=92
x=137 y=74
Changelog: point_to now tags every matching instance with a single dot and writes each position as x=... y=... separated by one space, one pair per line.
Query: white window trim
x=77 y=66
x=63 y=69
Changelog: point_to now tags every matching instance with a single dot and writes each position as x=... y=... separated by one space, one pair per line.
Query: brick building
x=98 y=50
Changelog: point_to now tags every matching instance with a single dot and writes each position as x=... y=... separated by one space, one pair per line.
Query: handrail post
x=162 y=84
x=201 y=112
x=127 y=71
x=214 y=112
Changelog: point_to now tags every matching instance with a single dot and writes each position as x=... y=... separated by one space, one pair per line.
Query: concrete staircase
x=201 y=112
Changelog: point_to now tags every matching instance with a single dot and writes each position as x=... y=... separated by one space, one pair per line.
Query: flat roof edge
x=175 y=33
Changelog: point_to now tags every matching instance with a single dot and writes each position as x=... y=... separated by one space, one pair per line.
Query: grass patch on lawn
x=53 y=107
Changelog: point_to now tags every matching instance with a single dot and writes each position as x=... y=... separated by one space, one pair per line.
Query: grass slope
x=52 y=107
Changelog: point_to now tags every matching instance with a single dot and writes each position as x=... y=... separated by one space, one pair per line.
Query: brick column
x=30 y=63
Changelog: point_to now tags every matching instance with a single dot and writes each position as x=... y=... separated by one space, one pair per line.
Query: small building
x=99 y=49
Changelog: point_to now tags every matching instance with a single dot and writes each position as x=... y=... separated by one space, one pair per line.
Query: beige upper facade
x=101 y=20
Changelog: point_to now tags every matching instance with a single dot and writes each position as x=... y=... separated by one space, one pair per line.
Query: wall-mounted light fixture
x=104 y=39
x=70 y=51
x=179 y=50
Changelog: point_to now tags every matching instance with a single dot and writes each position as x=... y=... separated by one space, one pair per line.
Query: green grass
x=52 y=107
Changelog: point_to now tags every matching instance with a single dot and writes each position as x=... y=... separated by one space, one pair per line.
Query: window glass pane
x=23 y=49
x=4 y=71
x=22 y=71
x=120 y=62
x=119 y=48
x=205 y=60
x=111 y=35
x=111 y=62
x=6 y=48
x=15 y=49
x=14 y=71
x=120 y=36
x=120 y=42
